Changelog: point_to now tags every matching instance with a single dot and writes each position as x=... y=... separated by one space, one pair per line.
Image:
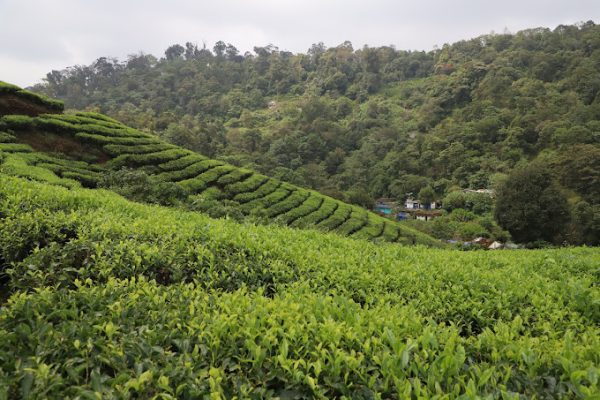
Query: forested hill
x=40 y=143
x=363 y=123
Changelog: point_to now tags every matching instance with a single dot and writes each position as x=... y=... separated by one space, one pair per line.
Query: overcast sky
x=37 y=36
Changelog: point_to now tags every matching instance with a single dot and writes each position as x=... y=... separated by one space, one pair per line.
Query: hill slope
x=82 y=147
x=381 y=119
x=117 y=299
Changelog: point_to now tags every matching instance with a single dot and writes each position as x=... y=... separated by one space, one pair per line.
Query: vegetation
x=88 y=149
x=14 y=100
x=116 y=299
x=117 y=282
x=358 y=124
x=531 y=206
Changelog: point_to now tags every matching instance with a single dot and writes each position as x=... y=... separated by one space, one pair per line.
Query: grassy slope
x=214 y=307
x=101 y=143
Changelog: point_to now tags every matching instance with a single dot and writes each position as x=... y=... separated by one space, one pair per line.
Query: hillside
x=384 y=120
x=103 y=297
x=116 y=299
x=359 y=124
x=86 y=147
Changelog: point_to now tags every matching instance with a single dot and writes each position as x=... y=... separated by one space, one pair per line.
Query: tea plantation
x=106 y=298
x=77 y=147
x=113 y=299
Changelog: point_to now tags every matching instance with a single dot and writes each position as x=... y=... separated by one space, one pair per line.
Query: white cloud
x=39 y=35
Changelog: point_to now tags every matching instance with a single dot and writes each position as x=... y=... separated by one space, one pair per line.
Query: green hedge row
x=250 y=184
x=6 y=137
x=373 y=229
x=310 y=205
x=16 y=122
x=80 y=119
x=38 y=158
x=118 y=149
x=357 y=220
x=236 y=175
x=15 y=148
x=6 y=87
x=133 y=160
x=17 y=166
x=267 y=201
x=181 y=163
x=193 y=185
x=53 y=105
x=97 y=116
x=294 y=200
x=390 y=232
x=213 y=174
x=86 y=179
x=323 y=212
x=339 y=216
x=60 y=169
x=122 y=140
x=189 y=172
x=90 y=125
x=261 y=191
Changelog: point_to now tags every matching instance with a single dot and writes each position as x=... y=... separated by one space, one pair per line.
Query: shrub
x=326 y=209
x=6 y=137
x=358 y=219
x=138 y=186
x=261 y=191
x=341 y=214
x=294 y=200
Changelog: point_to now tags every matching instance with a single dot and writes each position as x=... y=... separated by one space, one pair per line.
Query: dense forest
x=500 y=111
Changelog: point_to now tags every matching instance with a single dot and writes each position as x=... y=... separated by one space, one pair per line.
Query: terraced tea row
x=111 y=146
x=14 y=100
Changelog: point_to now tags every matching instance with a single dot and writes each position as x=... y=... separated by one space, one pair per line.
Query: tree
x=175 y=51
x=454 y=200
x=530 y=205
x=426 y=195
x=359 y=196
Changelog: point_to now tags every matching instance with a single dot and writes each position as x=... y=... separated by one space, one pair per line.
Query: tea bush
x=116 y=299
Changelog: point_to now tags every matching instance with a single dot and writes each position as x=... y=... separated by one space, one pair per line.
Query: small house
x=414 y=204
x=383 y=209
x=385 y=206
x=426 y=215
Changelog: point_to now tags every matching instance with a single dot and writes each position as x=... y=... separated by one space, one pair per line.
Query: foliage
x=530 y=205
x=25 y=96
x=162 y=173
x=139 y=186
x=129 y=300
x=365 y=123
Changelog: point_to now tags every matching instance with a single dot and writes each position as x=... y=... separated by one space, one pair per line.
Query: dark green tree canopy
x=531 y=206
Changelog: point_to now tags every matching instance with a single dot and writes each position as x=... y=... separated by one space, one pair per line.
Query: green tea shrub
x=261 y=191
x=324 y=211
x=138 y=186
x=357 y=220
x=292 y=201
x=181 y=163
x=310 y=205
x=6 y=137
x=340 y=215
x=236 y=175
x=250 y=184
